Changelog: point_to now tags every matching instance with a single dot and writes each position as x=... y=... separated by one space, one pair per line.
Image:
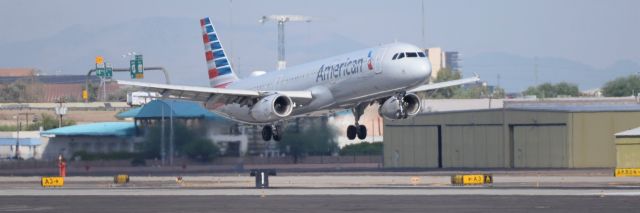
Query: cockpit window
x=394 y=56
x=412 y=54
x=421 y=54
x=401 y=56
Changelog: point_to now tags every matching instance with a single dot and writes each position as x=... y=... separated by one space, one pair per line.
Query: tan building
x=548 y=136
x=628 y=149
x=436 y=58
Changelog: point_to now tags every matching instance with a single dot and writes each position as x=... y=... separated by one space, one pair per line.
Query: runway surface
x=519 y=191
x=322 y=203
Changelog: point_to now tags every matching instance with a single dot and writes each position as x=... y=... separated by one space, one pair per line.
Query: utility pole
x=281 y=19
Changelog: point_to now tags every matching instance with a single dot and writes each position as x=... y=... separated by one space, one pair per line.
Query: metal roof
x=581 y=108
x=179 y=109
x=23 y=141
x=119 y=129
x=631 y=132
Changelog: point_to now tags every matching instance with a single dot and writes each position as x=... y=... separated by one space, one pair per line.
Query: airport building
x=440 y=59
x=515 y=134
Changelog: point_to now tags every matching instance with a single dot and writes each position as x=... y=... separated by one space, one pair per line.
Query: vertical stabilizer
x=220 y=71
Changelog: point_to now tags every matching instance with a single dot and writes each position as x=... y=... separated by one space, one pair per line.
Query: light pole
x=281 y=19
x=171 y=133
x=18 y=127
x=162 y=152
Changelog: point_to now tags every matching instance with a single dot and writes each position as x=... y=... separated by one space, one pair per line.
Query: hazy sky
x=596 y=33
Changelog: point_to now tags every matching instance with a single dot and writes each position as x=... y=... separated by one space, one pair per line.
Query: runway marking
x=302 y=192
x=22 y=208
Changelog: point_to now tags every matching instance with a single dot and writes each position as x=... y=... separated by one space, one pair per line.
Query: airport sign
x=52 y=181
x=136 y=67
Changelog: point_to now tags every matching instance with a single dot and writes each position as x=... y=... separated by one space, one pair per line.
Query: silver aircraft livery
x=388 y=74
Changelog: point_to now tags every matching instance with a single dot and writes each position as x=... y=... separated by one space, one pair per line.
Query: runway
x=560 y=191
x=318 y=203
x=456 y=191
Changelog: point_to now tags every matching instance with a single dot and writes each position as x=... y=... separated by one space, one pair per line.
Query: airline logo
x=339 y=70
x=219 y=69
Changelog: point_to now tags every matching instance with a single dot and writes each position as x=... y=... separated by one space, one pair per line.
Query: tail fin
x=220 y=71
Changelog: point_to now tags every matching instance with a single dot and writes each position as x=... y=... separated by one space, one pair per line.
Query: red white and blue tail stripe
x=220 y=72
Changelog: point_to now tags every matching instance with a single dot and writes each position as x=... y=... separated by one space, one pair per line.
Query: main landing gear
x=357 y=129
x=272 y=131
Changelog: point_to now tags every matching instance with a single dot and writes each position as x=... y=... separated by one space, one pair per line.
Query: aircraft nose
x=422 y=68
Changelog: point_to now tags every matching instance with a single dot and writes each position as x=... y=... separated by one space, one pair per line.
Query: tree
x=498 y=92
x=479 y=91
x=622 y=86
x=47 y=122
x=201 y=149
x=21 y=91
x=317 y=138
x=445 y=74
x=363 y=148
x=188 y=141
x=548 y=90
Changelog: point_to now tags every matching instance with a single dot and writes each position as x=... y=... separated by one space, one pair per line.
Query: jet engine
x=272 y=108
x=400 y=107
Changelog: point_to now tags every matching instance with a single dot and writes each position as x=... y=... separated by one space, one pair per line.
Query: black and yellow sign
x=472 y=179
x=52 y=181
x=629 y=172
x=121 y=179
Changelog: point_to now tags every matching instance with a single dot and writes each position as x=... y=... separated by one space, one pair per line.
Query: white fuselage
x=339 y=82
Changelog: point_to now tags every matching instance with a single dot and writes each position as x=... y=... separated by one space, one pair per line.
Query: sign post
x=136 y=67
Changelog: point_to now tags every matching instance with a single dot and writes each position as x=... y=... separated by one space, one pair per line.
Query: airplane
x=388 y=74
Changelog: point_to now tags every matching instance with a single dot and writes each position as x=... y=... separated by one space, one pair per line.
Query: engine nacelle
x=272 y=108
x=394 y=109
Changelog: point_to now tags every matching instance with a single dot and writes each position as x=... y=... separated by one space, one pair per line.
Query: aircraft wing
x=216 y=95
x=439 y=85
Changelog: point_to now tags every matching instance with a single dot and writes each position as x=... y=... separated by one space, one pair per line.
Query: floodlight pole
x=281 y=20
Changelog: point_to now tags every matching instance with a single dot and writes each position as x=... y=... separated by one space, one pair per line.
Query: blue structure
x=178 y=109
x=118 y=129
x=23 y=141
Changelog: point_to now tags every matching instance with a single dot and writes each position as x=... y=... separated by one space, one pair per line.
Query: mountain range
x=176 y=44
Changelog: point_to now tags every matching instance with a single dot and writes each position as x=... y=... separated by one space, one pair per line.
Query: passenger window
x=394 y=56
x=401 y=56
x=412 y=55
x=421 y=54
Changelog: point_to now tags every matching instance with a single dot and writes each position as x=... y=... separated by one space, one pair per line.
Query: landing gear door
x=378 y=60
